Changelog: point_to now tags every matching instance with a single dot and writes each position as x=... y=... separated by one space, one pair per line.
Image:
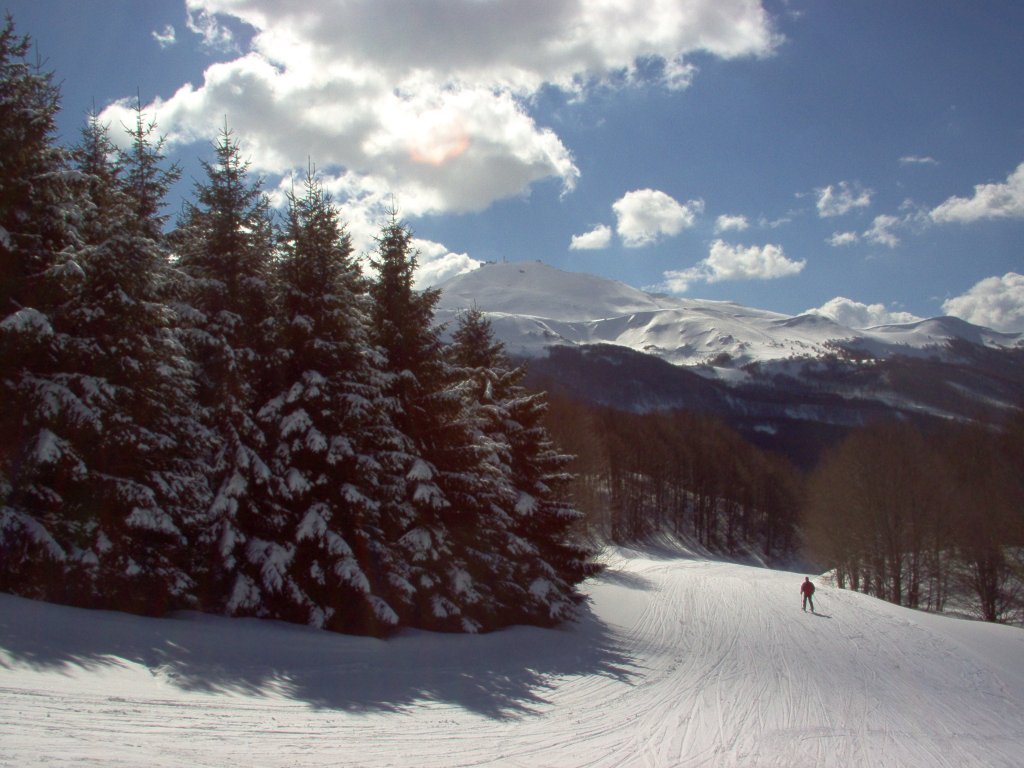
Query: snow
x=149 y=519
x=296 y=422
x=532 y=306
x=27 y=320
x=49 y=448
x=525 y=504
x=12 y=520
x=296 y=482
x=420 y=471
x=675 y=661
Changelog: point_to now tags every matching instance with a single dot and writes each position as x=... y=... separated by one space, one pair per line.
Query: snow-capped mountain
x=533 y=306
x=792 y=384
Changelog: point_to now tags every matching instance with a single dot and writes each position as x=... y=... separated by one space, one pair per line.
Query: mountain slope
x=677 y=661
x=790 y=384
x=533 y=306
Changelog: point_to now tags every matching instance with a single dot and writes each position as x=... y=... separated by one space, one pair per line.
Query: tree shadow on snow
x=501 y=675
x=624 y=579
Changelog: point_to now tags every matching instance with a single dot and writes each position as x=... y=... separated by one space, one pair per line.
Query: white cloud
x=735 y=262
x=918 y=160
x=679 y=74
x=776 y=223
x=854 y=314
x=430 y=100
x=437 y=264
x=679 y=280
x=597 y=238
x=840 y=239
x=839 y=199
x=204 y=23
x=726 y=223
x=990 y=201
x=166 y=37
x=645 y=215
x=881 y=231
x=995 y=302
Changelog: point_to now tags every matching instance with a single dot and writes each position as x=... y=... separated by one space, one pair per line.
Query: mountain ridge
x=533 y=306
x=791 y=384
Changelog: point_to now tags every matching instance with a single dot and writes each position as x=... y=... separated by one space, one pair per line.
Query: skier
x=807 y=590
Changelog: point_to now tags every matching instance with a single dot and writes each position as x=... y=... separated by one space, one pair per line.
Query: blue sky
x=865 y=159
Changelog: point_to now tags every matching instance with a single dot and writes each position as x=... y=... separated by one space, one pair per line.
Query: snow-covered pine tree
x=332 y=435
x=441 y=520
x=35 y=199
x=224 y=246
x=37 y=275
x=547 y=563
x=130 y=418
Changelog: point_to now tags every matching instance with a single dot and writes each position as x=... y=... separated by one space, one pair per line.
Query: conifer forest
x=225 y=413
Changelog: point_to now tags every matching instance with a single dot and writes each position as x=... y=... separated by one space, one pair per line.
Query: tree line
x=226 y=414
x=921 y=518
x=680 y=472
x=927 y=516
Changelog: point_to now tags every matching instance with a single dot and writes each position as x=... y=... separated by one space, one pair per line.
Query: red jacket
x=807 y=588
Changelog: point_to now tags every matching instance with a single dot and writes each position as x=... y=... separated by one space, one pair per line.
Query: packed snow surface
x=675 y=661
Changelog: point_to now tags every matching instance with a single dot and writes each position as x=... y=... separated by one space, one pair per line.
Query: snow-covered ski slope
x=676 y=662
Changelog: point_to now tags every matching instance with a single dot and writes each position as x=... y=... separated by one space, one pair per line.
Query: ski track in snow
x=677 y=662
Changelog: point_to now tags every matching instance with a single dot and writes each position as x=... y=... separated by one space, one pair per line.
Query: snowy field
x=676 y=662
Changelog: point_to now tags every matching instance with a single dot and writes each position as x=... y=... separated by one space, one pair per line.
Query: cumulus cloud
x=735 y=262
x=1003 y=200
x=995 y=302
x=882 y=230
x=855 y=314
x=166 y=37
x=726 y=223
x=204 y=23
x=839 y=199
x=437 y=264
x=840 y=239
x=645 y=215
x=597 y=238
x=431 y=100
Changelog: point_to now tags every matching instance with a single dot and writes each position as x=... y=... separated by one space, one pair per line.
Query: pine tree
x=533 y=523
x=141 y=480
x=437 y=520
x=333 y=436
x=36 y=236
x=37 y=275
x=224 y=247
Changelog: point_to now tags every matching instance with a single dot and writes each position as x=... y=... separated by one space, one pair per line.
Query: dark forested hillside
x=801 y=408
x=679 y=472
